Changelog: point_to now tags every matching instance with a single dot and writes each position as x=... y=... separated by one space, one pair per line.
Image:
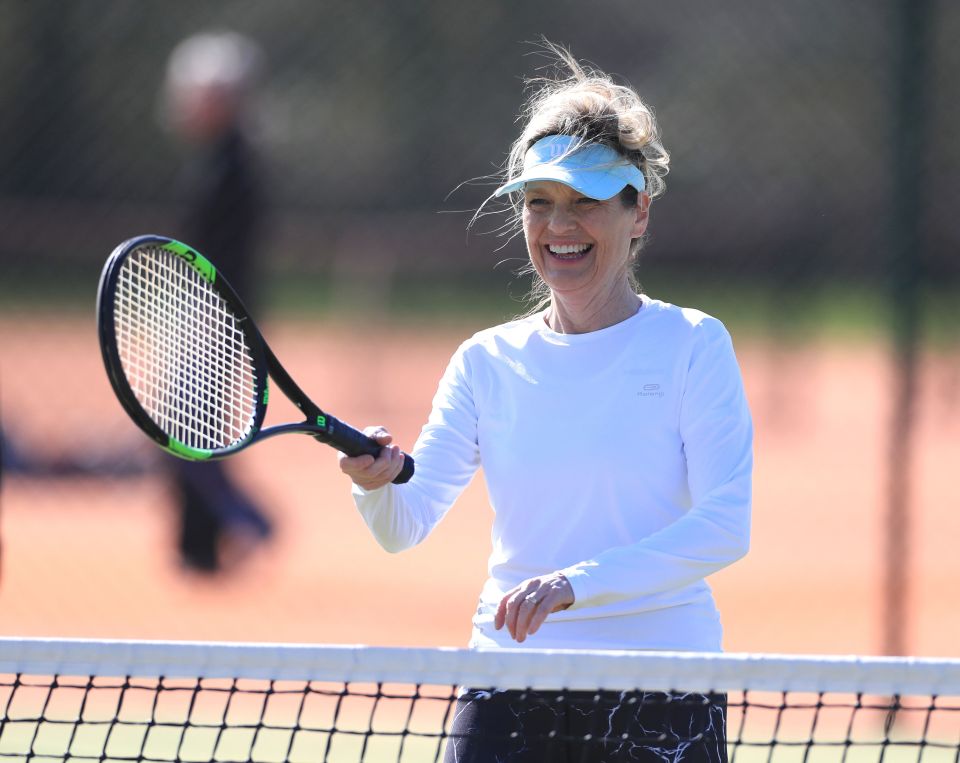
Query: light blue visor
x=594 y=170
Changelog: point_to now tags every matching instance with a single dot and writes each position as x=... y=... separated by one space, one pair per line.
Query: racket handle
x=406 y=472
x=355 y=443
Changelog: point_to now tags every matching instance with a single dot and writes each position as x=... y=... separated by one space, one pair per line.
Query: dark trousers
x=587 y=727
x=211 y=506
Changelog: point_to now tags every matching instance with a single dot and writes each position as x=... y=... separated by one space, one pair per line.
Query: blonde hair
x=587 y=103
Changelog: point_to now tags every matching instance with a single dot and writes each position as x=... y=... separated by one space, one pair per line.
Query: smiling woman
x=613 y=432
x=580 y=247
x=620 y=146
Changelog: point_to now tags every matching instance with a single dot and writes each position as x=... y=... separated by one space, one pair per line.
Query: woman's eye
x=536 y=202
x=586 y=201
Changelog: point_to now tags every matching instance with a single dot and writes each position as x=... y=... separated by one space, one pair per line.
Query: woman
x=613 y=432
x=210 y=83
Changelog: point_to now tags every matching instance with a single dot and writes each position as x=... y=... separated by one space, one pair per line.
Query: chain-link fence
x=810 y=205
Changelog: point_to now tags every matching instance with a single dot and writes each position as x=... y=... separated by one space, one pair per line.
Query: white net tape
x=183 y=351
x=153 y=701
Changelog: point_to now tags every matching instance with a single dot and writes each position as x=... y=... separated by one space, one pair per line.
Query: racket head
x=182 y=354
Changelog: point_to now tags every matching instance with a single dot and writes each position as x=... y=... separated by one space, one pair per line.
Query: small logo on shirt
x=650 y=390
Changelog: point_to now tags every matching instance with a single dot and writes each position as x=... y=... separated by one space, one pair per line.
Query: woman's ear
x=643 y=214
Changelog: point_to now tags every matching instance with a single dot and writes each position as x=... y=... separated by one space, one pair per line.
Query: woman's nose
x=561 y=219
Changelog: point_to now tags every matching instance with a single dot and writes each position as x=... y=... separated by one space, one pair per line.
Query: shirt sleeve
x=446 y=457
x=717 y=435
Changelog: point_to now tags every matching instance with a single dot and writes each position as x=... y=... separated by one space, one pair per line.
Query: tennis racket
x=187 y=362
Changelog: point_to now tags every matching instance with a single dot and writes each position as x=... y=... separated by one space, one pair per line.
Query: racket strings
x=184 y=352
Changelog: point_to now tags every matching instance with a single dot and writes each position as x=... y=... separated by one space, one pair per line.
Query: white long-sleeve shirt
x=621 y=457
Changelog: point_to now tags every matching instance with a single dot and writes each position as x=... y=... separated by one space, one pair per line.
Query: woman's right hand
x=371 y=473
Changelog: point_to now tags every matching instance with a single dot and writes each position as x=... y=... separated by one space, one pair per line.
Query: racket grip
x=406 y=472
x=355 y=443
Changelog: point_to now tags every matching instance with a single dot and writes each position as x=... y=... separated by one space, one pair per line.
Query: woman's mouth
x=568 y=251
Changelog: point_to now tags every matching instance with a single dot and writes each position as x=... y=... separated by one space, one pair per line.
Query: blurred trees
x=374 y=112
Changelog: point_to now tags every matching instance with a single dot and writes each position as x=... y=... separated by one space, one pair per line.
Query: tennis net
x=175 y=701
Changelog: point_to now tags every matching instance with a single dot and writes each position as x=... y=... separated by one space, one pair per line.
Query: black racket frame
x=317 y=423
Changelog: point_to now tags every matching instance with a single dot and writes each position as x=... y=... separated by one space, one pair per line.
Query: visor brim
x=602 y=186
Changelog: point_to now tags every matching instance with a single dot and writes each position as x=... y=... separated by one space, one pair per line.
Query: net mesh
x=183 y=351
x=81 y=700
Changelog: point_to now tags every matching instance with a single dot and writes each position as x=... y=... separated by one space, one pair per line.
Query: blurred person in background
x=615 y=439
x=208 y=100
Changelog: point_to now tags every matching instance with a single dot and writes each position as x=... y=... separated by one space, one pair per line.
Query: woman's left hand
x=525 y=607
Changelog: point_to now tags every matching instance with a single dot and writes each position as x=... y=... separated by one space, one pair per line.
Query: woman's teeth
x=568 y=251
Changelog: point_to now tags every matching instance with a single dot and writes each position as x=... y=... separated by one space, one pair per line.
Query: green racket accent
x=266 y=394
x=321 y=421
x=194 y=454
x=199 y=263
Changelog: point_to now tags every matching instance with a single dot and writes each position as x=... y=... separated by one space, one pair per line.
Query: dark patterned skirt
x=587 y=727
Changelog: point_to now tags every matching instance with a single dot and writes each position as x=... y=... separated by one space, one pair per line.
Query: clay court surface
x=87 y=558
